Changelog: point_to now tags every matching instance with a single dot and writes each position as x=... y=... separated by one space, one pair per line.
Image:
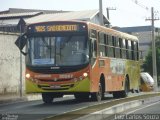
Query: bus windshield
x=58 y=50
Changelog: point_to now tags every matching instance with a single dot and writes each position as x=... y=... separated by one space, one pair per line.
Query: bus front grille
x=55 y=87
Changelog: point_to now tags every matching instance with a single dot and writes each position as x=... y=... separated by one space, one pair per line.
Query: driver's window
x=93 y=47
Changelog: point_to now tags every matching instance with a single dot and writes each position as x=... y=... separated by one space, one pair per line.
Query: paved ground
x=10 y=98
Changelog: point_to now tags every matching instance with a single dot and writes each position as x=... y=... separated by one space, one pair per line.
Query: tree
x=147 y=66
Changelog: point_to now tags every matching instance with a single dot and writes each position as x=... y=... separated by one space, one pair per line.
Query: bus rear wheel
x=97 y=96
x=47 y=98
x=125 y=92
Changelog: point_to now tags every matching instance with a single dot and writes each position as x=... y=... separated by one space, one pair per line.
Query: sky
x=127 y=12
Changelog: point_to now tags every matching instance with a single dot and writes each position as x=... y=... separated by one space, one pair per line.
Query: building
x=144 y=33
x=87 y=15
x=9 y=19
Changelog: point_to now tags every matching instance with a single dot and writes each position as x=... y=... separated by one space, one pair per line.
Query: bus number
x=40 y=28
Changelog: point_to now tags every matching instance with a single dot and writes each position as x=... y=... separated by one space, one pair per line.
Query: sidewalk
x=11 y=98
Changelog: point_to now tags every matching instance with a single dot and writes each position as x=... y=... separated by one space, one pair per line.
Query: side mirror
x=21 y=42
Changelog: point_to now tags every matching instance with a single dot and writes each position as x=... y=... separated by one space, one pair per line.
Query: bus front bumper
x=78 y=86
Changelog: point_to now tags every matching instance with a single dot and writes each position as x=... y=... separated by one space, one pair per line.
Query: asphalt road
x=37 y=110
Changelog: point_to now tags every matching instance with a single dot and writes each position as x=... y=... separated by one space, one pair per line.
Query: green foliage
x=147 y=66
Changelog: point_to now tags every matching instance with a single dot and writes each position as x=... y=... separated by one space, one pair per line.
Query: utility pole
x=108 y=9
x=20 y=77
x=20 y=27
x=101 y=12
x=154 y=50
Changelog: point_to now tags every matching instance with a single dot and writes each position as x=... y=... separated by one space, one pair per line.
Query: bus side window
x=127 y=49
x=106 y=45
x=110 y=47
x=113 y=44
x=94 y=48
x=101 y=44
x=93 y=45
x=109 y=40
x=120 y=45
x=101 y=38
x=136 y=51
x=117 y=49
x=123 y=49
x=133 y=49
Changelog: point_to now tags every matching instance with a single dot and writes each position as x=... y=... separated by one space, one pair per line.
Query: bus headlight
x=85 y=74
x=28 y=75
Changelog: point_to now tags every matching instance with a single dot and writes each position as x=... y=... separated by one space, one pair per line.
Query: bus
x=79 y=58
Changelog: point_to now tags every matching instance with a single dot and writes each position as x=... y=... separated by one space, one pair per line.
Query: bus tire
x=125 y=92
x=97 y=96
x=137 y=90
x=47 y=98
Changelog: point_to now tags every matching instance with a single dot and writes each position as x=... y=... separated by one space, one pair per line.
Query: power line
x=139 y=4
x=145 y=7
x=108 y=9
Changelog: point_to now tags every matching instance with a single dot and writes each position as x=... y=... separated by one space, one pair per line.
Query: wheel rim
x=99 y=93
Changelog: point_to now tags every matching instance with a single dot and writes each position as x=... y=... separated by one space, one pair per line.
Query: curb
x=105 y=113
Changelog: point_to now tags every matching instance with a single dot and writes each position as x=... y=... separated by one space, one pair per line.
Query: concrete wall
x=9 y=64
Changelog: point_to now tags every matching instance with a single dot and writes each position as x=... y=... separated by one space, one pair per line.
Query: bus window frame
x=93 y=46
x=117 y=48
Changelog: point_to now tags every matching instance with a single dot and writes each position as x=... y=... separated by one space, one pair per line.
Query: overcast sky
x=127 y=12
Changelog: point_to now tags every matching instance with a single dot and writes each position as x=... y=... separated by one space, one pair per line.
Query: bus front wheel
x=47 y=98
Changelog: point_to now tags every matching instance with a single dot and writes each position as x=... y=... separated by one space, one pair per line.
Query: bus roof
x=97 y=27
x=111 y=31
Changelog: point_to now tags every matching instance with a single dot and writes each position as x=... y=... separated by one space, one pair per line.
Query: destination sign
x=55 y=28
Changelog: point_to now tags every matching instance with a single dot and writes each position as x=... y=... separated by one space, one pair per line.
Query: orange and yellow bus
x=79 y=58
